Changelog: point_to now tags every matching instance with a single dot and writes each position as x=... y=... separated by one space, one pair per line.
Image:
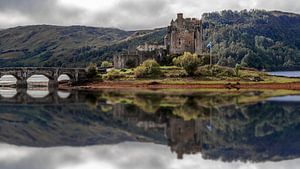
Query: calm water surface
x=286 y=73
x=165 y=129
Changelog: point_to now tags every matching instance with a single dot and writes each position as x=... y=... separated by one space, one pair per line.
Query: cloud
x=125 y=14
x=119 y=156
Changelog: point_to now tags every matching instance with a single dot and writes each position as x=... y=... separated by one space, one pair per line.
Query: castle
x=183 y=35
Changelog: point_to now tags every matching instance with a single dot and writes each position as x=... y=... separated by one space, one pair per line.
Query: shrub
x=106 y=64
x=217 y=71
x=237 y=70
x=92 y=70
x=113 y=75
x=189 y=62
x=220 y=71
x=150 y=68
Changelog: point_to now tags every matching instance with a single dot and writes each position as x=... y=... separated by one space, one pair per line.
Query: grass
x=177 y=76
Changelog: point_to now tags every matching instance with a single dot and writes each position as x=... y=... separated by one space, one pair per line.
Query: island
x=184 y=61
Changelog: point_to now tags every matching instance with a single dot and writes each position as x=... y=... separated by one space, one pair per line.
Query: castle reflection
x=236 y=125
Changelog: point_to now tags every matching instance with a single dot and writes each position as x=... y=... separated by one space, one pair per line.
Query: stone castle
x=183 y=35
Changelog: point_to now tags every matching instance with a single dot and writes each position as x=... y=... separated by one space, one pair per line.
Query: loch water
x=149 y=129
x=286 y=73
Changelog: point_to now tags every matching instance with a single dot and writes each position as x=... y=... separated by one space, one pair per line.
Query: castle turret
x=180 y=19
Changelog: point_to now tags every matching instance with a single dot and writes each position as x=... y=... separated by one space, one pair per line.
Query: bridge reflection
x=39 y=96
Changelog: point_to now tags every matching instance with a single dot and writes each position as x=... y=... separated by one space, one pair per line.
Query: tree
x=106 y=64
x=252 y=60
x=92 y=70
x=237 y=69
x=230 y=61
x=149 y=68
x=189 y=62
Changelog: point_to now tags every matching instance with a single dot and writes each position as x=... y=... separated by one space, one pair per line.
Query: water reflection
x=199 y=127
x=8 y=92
x=34 y=95
x=124 y=156
x=38 y=93
x=63 y=94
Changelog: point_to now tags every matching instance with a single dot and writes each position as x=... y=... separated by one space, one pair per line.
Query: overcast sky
x=124 y=14
x=119 y=156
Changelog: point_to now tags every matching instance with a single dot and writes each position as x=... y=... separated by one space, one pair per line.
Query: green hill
x=256 y=38
x=45 y=45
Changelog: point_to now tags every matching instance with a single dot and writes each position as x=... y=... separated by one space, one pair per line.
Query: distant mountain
x=256 y=38
x=45 y=45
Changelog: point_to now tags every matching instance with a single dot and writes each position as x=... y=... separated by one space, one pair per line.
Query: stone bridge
x=76 y=75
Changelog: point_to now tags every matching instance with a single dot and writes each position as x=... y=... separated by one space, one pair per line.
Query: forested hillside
x=256 y=38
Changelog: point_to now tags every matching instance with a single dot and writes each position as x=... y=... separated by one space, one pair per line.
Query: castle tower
x=184 y=35
x=199 y=38
x=180 y=20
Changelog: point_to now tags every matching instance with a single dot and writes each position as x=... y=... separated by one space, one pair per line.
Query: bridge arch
x=47 y=77
x=70 y=74
x=37 y=80
x=65 y=77
x=7 y=79
x=8 y=93
x=47 y=74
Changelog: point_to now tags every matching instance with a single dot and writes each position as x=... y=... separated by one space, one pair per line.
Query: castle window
x=179 y=41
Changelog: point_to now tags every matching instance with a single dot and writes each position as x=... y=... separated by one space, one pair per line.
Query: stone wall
x=133 y=60
x=126 y=61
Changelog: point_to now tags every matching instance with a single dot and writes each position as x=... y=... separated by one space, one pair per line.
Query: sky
x=119 y=156
x=123 y=14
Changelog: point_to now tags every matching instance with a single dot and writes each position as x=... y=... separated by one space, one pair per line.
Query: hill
x=45 y=45
x=256 y=38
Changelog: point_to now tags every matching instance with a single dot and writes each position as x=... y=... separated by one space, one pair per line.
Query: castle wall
x=126 y=61
x=182 y=42
x=199 y=41
x=132 y=60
